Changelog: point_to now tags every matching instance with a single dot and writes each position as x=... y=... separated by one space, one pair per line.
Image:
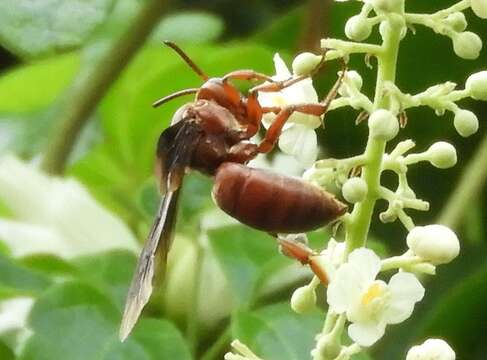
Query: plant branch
x=361 y=216
x=471 y=182
x=86 y=95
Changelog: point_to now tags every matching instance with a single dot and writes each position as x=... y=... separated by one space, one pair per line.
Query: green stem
x=358 y=227
x=218 y=346
x=471 y=183
x=84 y=97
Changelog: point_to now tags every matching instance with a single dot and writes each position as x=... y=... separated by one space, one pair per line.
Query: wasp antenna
x=186 y=58
x=173 y=96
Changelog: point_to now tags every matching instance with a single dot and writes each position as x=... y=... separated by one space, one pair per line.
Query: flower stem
x=361 y=216
x=84 y=97
x=218 y=346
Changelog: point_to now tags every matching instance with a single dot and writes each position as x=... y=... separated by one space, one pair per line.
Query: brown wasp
x=211 y=135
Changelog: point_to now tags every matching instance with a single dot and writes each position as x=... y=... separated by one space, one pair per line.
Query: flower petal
x=27 y=239
x=300 y=141
x=63 y=207
x=282 y=71
x=344 y=289
x=301 y=92
x=405 y=290
x=366 y=263
x=366 y=334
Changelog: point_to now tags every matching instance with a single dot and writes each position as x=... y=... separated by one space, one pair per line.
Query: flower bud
x=477 y=85
x=355 y=79
x=387 y=5
x=383 y=125
x=479 y=7
x=358 y=28
x=442 y=155
x=303 y=299
x=434 y=243
x=352 y=79
x=457 y=21
x=305 y=63
x=467 y=45
x=466 y=123
x=354 y=190
x=431 y=349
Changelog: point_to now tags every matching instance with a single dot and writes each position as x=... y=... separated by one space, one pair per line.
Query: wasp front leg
x=274 y=131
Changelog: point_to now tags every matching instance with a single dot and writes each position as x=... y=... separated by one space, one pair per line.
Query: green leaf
x=276 y=333
x=48 y=264
x=459 y=314
x=20 y=88
x=15 y=278
x=74 y=321
x=282 y=33
x=109 y=272
x=190 y=27
x=243 y=254
x=41 y=27
x=5 y=352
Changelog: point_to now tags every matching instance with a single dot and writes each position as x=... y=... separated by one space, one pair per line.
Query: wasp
x=212 y=135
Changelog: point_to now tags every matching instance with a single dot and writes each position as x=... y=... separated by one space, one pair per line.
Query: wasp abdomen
x=272 y=202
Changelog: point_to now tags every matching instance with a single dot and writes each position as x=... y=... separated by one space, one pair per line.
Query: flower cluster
x=363 y=296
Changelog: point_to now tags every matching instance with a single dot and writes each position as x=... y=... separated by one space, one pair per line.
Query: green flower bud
x=442 y=155
x=479 y=7
x=466 y=123
x=383 y=125
x=305 y=63
x=467 y=45
x=303 y=299
x=457 y=21
x=354 y=190
x=477 y=85
x=358 y=28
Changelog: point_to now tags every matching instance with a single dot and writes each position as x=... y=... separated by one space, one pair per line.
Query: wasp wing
x=175 y=149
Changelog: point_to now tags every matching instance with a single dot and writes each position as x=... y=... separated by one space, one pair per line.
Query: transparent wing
x=175 y=149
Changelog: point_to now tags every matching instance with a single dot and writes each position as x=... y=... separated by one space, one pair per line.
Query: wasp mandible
x=211 y=135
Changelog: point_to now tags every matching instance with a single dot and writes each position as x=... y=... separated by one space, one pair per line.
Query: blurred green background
x=60 y=59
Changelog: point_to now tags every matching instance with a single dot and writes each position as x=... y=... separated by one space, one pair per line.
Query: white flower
x=434 y=243
x=371 y=304
x=298 y=137
x=332 y=257
x=55 y=215
x=431 y=349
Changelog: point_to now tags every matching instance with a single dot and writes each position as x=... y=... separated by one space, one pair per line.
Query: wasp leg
x=282 y=117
